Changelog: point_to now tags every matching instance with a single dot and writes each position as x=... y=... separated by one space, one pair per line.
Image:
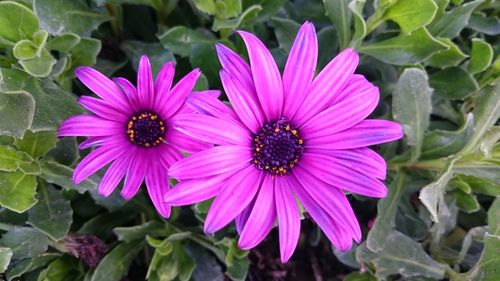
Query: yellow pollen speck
x=300 y=141
x=294 y=132
x=277 y=130
x=257 y=149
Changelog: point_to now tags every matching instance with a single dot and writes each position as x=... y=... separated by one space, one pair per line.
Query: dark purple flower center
x=277 y=147
x=145 y=129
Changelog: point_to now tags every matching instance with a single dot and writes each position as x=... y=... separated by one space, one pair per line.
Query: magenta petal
x=342 y=115
x=145 y=85
x=266 y=76
x=299 y=69
x=194 y=191
x=96 y=160
x=179 y=94
x=330 y=199
x=233 y=64
x=130 y=92
x=331 y=229
x=328 y=84
x=288 y=218
x=244 y=102
x=262 y=217
x=238 y=192
x=363 y=160
x=103 y=87
x=92 y=141
x=202 y=102
x=213 y=161
x=357 y=84
x=365 y=133
x=163 y=84
x=157 y=183
x=101 y=108
x=211 y=129
x=331 y=171
x=114 y=175
x=242 y=218
x=136 y=173
x=211 y=93
x=185 y=143
x=89 y=125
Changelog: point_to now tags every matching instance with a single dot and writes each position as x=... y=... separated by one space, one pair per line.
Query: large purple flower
x=132 y=128
x=291 y=136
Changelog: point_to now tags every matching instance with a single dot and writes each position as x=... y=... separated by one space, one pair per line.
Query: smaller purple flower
x=88 y=248
x=295 y=137
x=132 y=129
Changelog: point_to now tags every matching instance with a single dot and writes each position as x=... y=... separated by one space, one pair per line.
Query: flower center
x=277 y=147
x=145 y=129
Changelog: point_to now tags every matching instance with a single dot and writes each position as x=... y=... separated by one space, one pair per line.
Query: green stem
x=434 y=165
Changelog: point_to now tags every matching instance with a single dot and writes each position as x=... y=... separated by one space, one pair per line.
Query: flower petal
x=331 y=229
x=328 y=84
x=288 y=218
x=211 y=129
x=242 y=218
x=233 y=64
x=185 y=143
x=163 y=82
x=357 y=84
x=194 y=191
x=136 y=173
x=262 y=217
x=237 y=193
x=130 y=92
x=205 y=104
x=89 y=125
x=179 y=94
x=103 y=87
x=157 y=183
x=266 y=76
x=145 y=84
x=332 y=172
x=342 y=115
x=330 y=199
x=299 y=69
x=363 y=160
x=97 y=159
x=102 y=109
x=245 y=103
x=114 y=175
x=365 y=133
x=213 y=161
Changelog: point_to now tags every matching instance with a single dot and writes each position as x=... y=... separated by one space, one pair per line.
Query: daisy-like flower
x=132 y=128
x=291 y=136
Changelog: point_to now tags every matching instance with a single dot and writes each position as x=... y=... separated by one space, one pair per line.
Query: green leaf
x=62 y=269
x=19 y=109
x=340 y=15
x=178 y=39
x=412 y=107
x=39 y=66
x=480 y=186
x=28 y=265
x=454 y=21
x=5 y=256
x=494 y=217
x=85 y=52
x=489 y=262
x=61 y=16
x=64 y=42
x=18 y=191
x=285 y=31
x=53 y=105
x=25 y=242
x=481 y=56
x=9 y=158
x=386 y=214
x=451 y=57
x=466 y=202
x=403 y=256
x=249 y=14
x=136 y=232
x=441 y=143
x=405 y=49
x=356 y=7
x=488 y=170
x=61 y=175
x=117 y=262
x=228 y=8
x=488 y=141
x=24 y=50
x=17 y=22
x=453 y=83
x=411 y=15
x=206 y=6
x=157 y=55
x=52 y=214
x=487 y=25
x=203 y=55
x=37 y=144
x=356 y=276
x=486 y=113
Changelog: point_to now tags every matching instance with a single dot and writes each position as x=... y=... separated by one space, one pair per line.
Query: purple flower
x=132 y=128
x=291 y=136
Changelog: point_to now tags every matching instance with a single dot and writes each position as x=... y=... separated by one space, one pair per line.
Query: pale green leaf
x=63 y=42
x=249 y=14
x=25 y=242
x=16 y=21
x=19 y=109
x=117 y=262
x=39 y=66
x=452 y=22
x=487 y=25
x=411 y=15
x=28 y=265
x=36 y=144
x=356 y=6
x=481 y=56
x=18 y=191
x=340 y=15
x=453 y=83
x=489 y=262
x=451 y=57
x=178 y=39
x=5 y=256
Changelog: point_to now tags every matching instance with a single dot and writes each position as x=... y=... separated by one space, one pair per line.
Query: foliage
x=437 y=65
